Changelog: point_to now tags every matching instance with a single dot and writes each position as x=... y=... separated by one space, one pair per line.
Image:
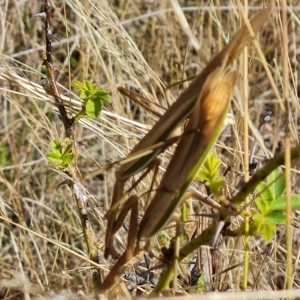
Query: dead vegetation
x=141 y=46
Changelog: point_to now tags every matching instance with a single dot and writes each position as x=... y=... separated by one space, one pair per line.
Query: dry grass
x=139 y=45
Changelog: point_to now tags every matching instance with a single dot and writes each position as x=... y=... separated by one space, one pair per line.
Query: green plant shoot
x=61 y=153
x=271 y=205
x=210 y=174
x=93 y=98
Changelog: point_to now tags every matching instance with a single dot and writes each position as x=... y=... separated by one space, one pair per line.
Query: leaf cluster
x=270 y=202
x=271 y=205
x=210 y=174
x=93 y=98
x=61 y=153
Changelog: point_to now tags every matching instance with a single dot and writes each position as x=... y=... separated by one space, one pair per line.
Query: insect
x=205 y=104
x=195 y=143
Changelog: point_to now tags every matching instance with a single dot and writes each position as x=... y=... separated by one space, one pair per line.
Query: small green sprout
x=271 y=205
x=61 y=153
x=93 y=98
x=210 y=174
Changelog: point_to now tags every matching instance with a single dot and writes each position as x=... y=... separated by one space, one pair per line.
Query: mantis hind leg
x=117 y=270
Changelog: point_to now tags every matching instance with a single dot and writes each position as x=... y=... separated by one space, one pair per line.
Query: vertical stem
x=48 y=62
x=68 y=123
x=289 y=269
x=48 y=32
x=81 y=199
x=187 y=249
x=246 y=150
x=219 y=15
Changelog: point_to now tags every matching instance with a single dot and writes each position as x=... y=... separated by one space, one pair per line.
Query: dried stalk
x=74 y=175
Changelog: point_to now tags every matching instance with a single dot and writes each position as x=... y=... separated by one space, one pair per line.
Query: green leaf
x=258 y=221
x=264 y=192
x=267 y=231
x=67 y=158
x=257 y=217
x=276 y=183
x=203 y=175
x=93 y=97
x=93 y=108
x=85 y=95
x=276 y=217
x=200 y=287
x=280 y=203
x=210 y=173
x=57 y=152
x=274 y=186
x=77 y=85
x=55 y=144
x=54 y=158
x=68 y=145
x=260 y=225
x=102 y=94
x=262 y=205
x=216 y=185
x=56 y=147
x=88 y=86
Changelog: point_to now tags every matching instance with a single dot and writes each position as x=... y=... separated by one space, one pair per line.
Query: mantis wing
x=185 y=103
x=202 y=130
x=176 y=114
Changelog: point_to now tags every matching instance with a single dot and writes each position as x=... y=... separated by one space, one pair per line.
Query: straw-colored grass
x=142 y=46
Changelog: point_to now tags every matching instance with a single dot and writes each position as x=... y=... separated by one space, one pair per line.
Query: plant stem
x=75 y=183
x=262 y=173
x=166 y=275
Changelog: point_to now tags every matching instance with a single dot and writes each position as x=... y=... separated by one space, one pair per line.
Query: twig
x=68 y=122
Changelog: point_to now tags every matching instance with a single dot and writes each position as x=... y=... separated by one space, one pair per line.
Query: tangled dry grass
x=139 y=45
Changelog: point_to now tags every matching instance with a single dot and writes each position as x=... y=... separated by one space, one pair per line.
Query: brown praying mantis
x=205 y=104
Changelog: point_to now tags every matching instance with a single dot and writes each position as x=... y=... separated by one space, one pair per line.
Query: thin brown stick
x=78 y=192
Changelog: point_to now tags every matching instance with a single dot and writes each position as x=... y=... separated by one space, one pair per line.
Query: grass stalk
x=287 y=143
x=246 y=153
